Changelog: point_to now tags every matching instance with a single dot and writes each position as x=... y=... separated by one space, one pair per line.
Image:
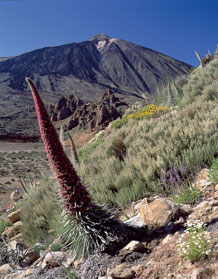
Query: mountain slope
x=84 y=70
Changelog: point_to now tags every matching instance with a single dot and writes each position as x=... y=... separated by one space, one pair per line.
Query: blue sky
x=173 y=27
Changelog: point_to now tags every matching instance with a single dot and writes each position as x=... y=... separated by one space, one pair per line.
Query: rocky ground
x=156 y=255
x=19 y=159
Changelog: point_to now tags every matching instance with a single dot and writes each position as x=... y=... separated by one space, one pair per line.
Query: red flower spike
x=74 y=194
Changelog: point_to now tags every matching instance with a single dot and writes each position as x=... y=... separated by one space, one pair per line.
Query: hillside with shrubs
x=154 y=153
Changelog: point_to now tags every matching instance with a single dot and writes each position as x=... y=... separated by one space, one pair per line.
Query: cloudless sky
x=173 y=27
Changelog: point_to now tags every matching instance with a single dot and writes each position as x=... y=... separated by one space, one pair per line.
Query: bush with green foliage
x=194 y=243
x=203 y=85
x=85 y=152
x=152 y=144
x=187 y=195
x=213 y=172
x=3 y=225
x=40 y=213
x=119 y=122
x=172 y=93
x=150 y=111
x=117 y=149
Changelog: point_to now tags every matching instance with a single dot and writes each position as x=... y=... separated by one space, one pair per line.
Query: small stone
x=136 y=221
x=138 y=268
x=205 y=273
x=186 y=208
x=122 y=271
x=15 y=196
x=13 y=230
x=167 y=238
x=4 y=270
x=18 y=274
x=15 y=216
x=216 y=195
x=135 y=246
x=139 y=204
x=201 y=205
x=203 y=175
x=8 y=232
x=31 y=256
x=12 y=245
x=53 y=259
x=17 y=237
x=76 y=263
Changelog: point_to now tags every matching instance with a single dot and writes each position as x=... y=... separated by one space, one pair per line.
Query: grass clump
x=56 y=246
x=203 y=85
x=117 y=124
x=117 y=149
x=40 y=213
x=187 y=195
x=3 y=225
x=213 y=172
x=85 y=152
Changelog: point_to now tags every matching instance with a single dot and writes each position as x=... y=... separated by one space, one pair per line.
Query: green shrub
x=213 y=172
x=85 y=152
x=119 y=123
x=172 y=93
x=187 y=195
x=202 y=86
x=40 y=213
x=117 y=149
x=152 y=144
x=150 y=111
x=194 y=244
x=56 y=246
x=3 y=225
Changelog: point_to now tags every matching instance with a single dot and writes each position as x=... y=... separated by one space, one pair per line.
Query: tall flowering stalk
x=73 y=148
x=74 y=194
x=87 y=227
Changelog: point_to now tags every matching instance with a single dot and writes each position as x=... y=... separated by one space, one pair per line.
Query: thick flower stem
x=75 y=196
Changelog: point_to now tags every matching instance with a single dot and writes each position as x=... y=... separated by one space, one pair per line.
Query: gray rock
x=136 y=221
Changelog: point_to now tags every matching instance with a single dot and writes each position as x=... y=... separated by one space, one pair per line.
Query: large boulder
x=159 y=212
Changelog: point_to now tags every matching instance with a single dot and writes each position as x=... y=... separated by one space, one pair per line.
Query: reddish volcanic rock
x=89 y=116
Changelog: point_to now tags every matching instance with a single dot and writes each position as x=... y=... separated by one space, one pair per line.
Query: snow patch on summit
x=101 y=44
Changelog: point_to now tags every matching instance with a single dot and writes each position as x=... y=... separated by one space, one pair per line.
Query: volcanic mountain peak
x=100 y=37
x=83 y=70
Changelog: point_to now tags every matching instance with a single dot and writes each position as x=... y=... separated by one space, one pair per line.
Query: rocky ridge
x=93 y=116
x=155 y=256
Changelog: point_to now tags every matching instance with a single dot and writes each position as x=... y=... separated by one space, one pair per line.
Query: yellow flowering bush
x=150 y=111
